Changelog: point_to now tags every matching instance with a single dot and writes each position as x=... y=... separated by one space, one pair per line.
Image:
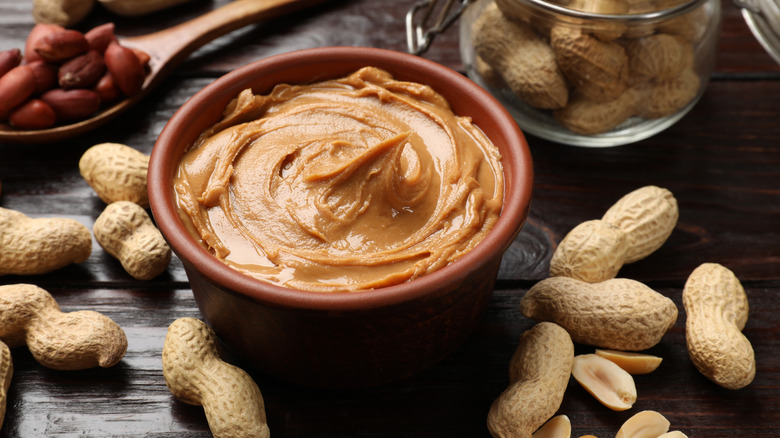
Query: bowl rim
x=495 y=243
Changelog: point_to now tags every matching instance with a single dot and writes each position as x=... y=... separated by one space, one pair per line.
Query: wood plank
x=449 y=399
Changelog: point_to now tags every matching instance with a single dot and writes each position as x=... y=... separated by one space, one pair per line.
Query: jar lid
x=763 y=19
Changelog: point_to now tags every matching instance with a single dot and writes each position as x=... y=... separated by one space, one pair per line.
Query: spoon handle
x=171 y=46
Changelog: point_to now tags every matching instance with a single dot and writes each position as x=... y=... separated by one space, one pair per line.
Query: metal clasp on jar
x=763 y=19
x=419 y=34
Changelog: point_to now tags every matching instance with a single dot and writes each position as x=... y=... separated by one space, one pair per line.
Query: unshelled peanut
x=605 y=31
x=618 y=314
x=539 y=372
x=691 y=26
x=616 y=73
x=717 y=311
x=195 y=374
x=662 y=98
x=40 y=245
x=605 y=380
x=6 y=373
x=116 y=172
x=76 y=340
x=659 y=57
x=521 y=57
x=631 y=229
x=62 y=12
x=598 y=69
x=648 y=216
x=126 y=232
x=593 y=251
x=585 y=116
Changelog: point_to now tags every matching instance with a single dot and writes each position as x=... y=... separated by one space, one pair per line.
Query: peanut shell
x=647 y=215
x=618 y=314
x=717 y=311
x=539 y=373
x=522 y=58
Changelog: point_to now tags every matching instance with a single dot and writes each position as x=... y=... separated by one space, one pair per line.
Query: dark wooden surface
x=722 y=162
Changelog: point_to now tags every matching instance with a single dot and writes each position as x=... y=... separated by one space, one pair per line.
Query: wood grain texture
x=722 y=162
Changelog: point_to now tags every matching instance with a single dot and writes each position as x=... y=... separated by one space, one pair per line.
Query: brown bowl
x=342 y=340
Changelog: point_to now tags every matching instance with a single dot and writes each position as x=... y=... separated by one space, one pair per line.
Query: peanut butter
x=342 y=185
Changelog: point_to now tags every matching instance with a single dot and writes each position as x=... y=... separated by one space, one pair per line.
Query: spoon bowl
x=167 y=49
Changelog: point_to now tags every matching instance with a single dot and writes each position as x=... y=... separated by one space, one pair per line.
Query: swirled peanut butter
x=341 y=185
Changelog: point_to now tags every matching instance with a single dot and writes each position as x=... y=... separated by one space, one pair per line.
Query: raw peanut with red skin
x=38 y=31
x=142 y=56
x=83 y=71
x=73 y=104
x=16 y=86
x=33 y=114
x=61 y=45
x=107 y=90
x=125 y=67
x=45 y=75
x=99 y=37
x=9 y=59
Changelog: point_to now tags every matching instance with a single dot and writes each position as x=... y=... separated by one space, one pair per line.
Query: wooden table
x=722 y=162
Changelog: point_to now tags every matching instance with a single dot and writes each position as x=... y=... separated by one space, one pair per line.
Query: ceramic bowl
x=342 y=340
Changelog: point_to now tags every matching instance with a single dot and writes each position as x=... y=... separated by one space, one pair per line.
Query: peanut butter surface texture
x=342 y=185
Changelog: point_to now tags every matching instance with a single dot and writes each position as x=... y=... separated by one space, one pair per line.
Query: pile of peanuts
x=64 y=75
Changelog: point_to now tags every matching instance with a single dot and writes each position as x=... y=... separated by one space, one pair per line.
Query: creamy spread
x=341 y=185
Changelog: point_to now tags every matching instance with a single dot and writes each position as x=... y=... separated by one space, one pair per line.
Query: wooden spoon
x=167 y=48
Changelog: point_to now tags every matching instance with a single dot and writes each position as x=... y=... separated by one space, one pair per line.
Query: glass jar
x=592 y=73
